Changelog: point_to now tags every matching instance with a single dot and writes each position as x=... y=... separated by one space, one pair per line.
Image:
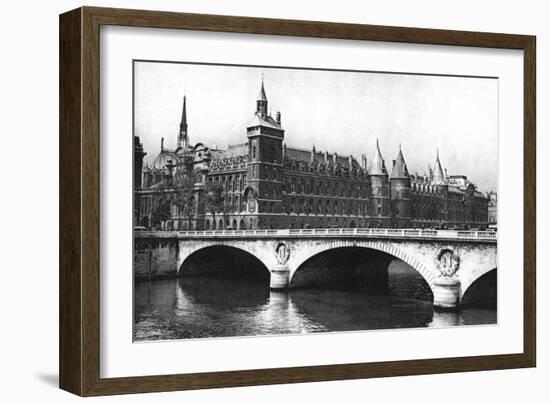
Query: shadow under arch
x=361 y=268
x=482 y=293
x=225 y=262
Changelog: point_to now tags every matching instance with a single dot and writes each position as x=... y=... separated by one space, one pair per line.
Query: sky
x=337 y=111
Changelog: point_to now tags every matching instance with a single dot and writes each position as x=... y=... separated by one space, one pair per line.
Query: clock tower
x=265 y=163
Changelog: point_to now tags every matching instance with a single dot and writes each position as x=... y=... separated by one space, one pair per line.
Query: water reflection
x=209 y=307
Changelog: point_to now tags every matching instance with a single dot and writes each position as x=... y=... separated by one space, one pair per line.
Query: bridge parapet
x=405 y=233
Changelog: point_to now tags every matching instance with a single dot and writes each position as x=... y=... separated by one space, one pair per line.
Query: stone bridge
x=450 y=261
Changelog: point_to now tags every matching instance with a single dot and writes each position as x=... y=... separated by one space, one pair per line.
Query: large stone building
x=263 y=183
x=493 y=208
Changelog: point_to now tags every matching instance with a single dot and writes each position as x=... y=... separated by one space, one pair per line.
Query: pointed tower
x=400 y=192
x=379 y=208
x=438 y=175
x=264 y=191
x=183 y=139
x=442 y=188
x=261 y=102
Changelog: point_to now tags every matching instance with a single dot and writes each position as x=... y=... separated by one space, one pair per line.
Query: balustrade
x=329 y=232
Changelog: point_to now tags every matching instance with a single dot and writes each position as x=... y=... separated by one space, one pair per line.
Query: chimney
x=364 y=161
x=162 y=144
x=279 y=118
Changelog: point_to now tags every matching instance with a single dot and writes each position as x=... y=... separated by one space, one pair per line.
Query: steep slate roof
x=268 y=121
x=262 y=96
x=438 y=177
x=234 y=150
x=299 y=154
x=378 y=167
x=399 y=169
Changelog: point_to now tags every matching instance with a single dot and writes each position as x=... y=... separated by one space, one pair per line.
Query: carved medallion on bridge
x=282 y=253
x=448 y=263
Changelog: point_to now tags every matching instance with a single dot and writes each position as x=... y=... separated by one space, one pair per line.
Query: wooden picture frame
x=79 y=279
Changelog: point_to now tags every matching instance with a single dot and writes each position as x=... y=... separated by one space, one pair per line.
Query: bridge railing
x=332 y=232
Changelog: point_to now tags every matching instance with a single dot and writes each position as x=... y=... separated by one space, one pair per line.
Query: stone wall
x=155 y=258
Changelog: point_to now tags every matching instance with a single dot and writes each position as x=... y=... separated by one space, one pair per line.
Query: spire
x=261 y=102
x=399 y=169
x=262 y=95
x=438 y=176
x=183 y=140
x=378 y=167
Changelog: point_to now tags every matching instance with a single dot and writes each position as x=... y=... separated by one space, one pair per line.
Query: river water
x=193 y=307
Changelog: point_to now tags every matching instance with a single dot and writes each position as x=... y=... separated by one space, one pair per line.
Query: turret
x=379 y=209
x=400 y=192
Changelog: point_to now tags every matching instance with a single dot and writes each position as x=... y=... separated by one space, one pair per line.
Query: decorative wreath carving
x=448 y=263
x=282 y=253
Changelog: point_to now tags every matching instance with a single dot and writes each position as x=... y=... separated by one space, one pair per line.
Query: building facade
x=493 y=211
x=263 y=183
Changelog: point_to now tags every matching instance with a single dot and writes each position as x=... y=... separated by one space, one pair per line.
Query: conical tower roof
x=438 y=177
x=261 y=95
x=378 y=167
x=399 y=169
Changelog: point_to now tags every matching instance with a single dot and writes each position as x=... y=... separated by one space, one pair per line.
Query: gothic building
x=263 y=183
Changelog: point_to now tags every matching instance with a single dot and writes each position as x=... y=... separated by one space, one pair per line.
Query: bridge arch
x=389 y=248
x=222 y=260
x=480 y=289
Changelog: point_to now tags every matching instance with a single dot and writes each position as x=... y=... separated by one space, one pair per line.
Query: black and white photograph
x=270 y=200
